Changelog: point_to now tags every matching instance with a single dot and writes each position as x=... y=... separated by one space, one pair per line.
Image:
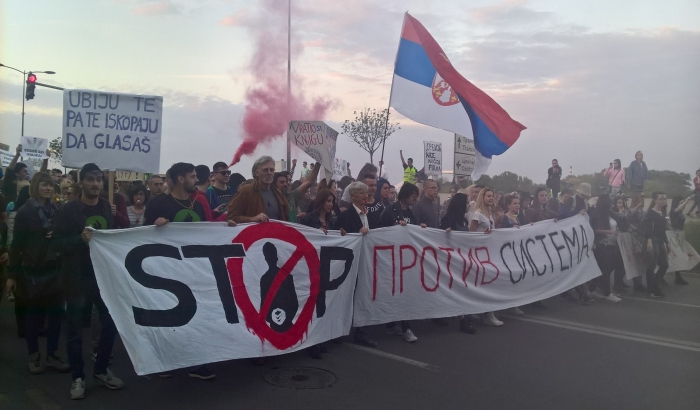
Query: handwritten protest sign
x=340 y=169
x=34 y=148
x=129 y=176
x=465 y=156
x=433 y=158
x=115 y=131
x=316 y=139
x=7 y=157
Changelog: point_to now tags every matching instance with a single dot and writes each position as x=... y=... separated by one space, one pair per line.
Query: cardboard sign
x=7 y=157
x=316 y=139
x=433 y=158
x=465 y=156
x=340 y=169
x=124 y=176
x=115 y=131
x=34 y=148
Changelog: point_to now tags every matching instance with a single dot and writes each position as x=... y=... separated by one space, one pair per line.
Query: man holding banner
x=72 y=233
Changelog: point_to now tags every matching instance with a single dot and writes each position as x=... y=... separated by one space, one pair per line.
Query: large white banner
x=191 y=293
x=34 y=148
x=316 y=139
x=433 y=158
x=681 y=255
x=115 y=131
x=420 y=273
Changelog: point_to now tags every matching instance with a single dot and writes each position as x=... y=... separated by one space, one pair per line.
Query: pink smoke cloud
x=268 y=108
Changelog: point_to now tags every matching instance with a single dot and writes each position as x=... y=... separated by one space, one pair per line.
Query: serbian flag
x=427 y=89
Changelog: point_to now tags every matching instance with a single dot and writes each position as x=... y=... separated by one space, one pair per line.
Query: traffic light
x=31 y=85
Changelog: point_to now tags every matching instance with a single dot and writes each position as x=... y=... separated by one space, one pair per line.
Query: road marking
x=618 y=334
x=402 y=359
x=661 y=301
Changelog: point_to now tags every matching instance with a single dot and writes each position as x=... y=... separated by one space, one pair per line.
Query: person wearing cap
x=577 y=204
x=71 y=236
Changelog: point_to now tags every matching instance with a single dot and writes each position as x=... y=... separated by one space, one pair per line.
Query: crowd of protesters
x=51 y=281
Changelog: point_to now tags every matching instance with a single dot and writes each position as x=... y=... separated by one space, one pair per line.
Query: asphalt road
x=636 y=354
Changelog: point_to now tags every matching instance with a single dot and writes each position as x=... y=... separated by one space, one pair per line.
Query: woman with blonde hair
x=482 y=221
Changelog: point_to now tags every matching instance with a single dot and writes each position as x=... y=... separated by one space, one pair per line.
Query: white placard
x=433 y=158
x=7 y=157
x=112 y=130
x=34 y=148
x=340 y=169
x=316 y=139
x=124 y=176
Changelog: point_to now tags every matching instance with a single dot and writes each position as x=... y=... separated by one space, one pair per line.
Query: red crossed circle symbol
x=255 y=320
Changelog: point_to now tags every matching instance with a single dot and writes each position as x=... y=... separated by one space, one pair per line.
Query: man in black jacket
x=354 y=220
x=71 y=237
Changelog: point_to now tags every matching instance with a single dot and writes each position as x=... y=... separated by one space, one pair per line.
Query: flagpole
x=386 y=123
x=289 y=78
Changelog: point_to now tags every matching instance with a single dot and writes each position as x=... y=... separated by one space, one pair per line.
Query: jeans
x=76 y=311
x=658 y=256
x=39 y=309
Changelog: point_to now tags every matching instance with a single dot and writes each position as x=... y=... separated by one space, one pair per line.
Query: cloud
x=157 y=9
x=236 y=19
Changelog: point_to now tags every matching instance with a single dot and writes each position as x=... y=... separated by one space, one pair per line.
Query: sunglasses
x=224 y=173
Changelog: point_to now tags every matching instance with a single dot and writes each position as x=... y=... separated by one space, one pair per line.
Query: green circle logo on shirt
x=97 y=222
x=186 y=215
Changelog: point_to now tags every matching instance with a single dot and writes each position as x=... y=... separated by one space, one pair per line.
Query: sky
x=592 y=81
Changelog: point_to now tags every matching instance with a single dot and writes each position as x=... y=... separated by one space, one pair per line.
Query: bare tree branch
x=369 y=129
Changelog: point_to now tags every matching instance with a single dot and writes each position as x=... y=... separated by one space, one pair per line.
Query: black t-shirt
x=374 y=214
x=97 y=217
x=174 y=210
x=224 y=195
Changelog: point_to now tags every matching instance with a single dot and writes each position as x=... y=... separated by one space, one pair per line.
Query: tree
x=56 y=146
x=369 y=129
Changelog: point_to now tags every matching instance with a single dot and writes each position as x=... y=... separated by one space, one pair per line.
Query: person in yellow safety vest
x=409 y=171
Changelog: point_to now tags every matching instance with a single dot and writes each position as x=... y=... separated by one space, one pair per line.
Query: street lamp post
x=24 y=83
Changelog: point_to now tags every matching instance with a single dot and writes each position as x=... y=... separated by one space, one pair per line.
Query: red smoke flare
x=268 y=109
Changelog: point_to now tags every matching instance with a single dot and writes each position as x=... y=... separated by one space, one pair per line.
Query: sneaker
x=465 y=325
x=596 y=294
x=202 y=373
x=77 y=389
x=394 y=330
x=491 y=320
x=111 y=381
x=517 y=311
x=612 y=298
x=655 y=294
x=53 y=362
x=409 y=336
x=34 y=363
